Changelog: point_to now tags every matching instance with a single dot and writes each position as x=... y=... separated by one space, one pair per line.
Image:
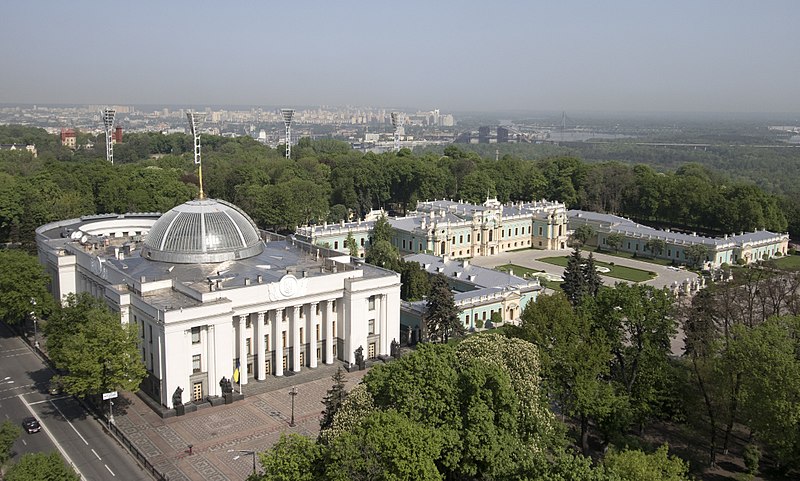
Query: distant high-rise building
x=502 y=135
x=463 y=138
x=483 y=135
x=447 y=120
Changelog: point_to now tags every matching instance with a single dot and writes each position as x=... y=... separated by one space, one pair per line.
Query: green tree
x=97 y=352
x=583 y=234
x=383 y=254
x=293 y=458
x=355 y=407
x=696 y=254
x=575 y=359
x=656 y=246
x=614 y=240
x=334 y=399
x=41 y=467
x=638 y=323
x=382 y=230
x=591 y=277
x=636 y=465
x=351 y=244
x=385 y=446
x=441 y=314
x=9 y=432
x=414 y=284
x=22 y=279
x=574 y=285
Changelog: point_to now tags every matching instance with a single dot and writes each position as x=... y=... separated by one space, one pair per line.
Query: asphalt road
x=66 y=426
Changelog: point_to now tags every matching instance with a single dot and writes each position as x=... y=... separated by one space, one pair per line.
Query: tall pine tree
x=333 y=400
x=592 y=278
x=574 y=285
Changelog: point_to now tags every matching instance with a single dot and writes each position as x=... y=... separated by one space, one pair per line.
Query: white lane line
x=53 y=439
x=109 y=470
x=49 y=400
x=70 y=424
x=23 y=442
x=95 y=453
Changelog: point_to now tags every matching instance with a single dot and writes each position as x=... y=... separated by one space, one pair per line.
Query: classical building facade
x=479 y=293
x=457 y=229
x=210 y=293
x=745 y=247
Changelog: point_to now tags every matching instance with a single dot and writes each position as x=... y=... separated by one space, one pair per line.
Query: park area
x=615 y=271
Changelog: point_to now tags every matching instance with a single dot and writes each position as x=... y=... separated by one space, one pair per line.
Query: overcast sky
x=723 y=56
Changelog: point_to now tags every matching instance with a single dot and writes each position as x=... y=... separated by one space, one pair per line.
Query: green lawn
x=629 y=255
x=788 y=262
x=526 y=272
x=618 y=272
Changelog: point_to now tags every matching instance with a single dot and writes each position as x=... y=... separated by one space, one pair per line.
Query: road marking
x=70 y=424
x=15 y=388
x=95 y=453
x=23 y=442
x=48 y=400
x=109 y=470
x=52 y=439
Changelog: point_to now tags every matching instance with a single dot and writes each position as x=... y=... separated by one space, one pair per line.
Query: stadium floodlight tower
x=287 y=115
x=397 y=122
x=108 y=123
x=195 y=120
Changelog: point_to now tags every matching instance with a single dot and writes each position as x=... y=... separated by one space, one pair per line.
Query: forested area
x=327 y=181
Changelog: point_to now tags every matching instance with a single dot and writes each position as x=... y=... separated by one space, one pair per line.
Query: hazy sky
x=642 y=55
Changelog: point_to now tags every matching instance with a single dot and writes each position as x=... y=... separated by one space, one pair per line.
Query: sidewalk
x=254 y=424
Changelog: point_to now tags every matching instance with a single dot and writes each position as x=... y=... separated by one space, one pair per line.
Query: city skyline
x=457 y=56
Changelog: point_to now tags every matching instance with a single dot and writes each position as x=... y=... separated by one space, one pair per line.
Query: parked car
x=31 y=425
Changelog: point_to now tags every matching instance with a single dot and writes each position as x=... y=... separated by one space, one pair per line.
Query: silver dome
x=202 y=231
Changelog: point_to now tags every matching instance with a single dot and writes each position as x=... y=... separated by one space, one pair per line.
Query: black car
x=31 y=425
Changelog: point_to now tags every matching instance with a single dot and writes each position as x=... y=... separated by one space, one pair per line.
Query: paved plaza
x=254 y=423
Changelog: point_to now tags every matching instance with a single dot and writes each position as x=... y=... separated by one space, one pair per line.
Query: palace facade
x=210 y=293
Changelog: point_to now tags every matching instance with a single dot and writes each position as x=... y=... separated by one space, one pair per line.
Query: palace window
x=249 y=347
x=301 y=335
x=335 y=244
x=284 y=339
x=372 y=326
x=362 y=242
x=461 y=239
x=151 y=333
x=371 y=303
x=196 y=364
x=266 y=343
x=195 y=335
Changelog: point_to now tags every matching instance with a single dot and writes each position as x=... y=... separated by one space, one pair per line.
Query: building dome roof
x=202 y=231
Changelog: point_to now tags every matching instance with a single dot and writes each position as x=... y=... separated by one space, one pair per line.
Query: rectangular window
x=301 y=336
x=516 y=230
x=318 y=332
x=152 y=364
x=249 y=346
x=266 y=343
x=335 y=244
x=362 y=242
x=284 y=339
x=334 y=329
x=372 y=326
x=484 y=315
x=142 y=328
x=541 y=231
x=467 y=237
x=196 y=363
x=302 y=312
x=195 y=335
x=404 y=244
x=529 y=229
x=151 y=333
x=371 y=303
x=461 y=239
x=454 y=239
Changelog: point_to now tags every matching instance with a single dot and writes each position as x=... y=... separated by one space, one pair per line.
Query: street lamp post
x=293 y=393
x=246 y=452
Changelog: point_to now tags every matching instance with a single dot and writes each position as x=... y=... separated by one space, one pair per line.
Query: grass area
x=789 y=262
x=629 y=255
x=526 y=272
x=618 y=272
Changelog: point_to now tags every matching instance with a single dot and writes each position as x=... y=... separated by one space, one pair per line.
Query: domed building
x=209 y=292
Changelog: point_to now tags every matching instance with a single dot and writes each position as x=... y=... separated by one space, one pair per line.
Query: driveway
x=665 y=275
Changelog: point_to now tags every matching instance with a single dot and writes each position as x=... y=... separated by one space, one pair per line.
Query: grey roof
x=201 y=231
x=464 y=271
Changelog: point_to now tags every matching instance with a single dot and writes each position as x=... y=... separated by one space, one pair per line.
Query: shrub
x=751 y=456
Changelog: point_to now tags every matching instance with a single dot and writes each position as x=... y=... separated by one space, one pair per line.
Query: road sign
x=109 y=395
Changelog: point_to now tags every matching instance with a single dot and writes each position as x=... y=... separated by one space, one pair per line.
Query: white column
x=295 y=328
x=329 y=334
x=383 y=340
x=242 y=350
x=260 y=348
x=277 y=340
x=312 y=334
x=211 y=362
